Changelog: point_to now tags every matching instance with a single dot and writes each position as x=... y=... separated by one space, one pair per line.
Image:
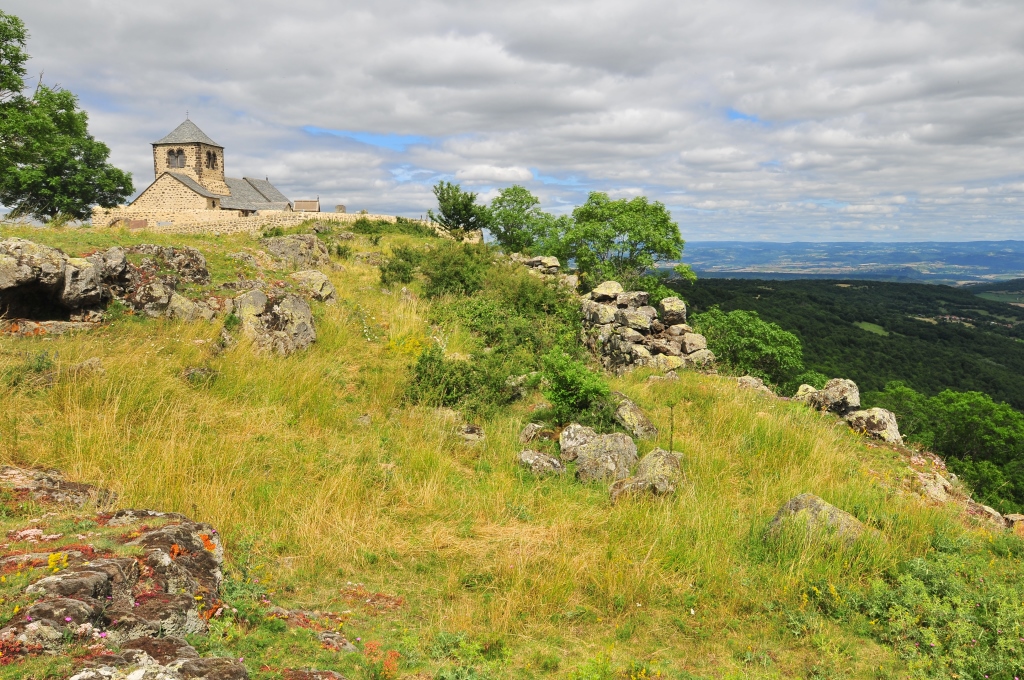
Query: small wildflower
x=67 y=618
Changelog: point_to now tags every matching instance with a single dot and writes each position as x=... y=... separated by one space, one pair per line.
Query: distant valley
x=926 y=262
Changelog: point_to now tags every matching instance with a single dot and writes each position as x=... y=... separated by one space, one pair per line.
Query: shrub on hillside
x=401 y=266
x=440 y=381
x=455 y=268
x=575 y=392
x=401 y=225
x=745 y=343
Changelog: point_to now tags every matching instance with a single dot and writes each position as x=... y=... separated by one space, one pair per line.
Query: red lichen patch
x=373 y=601
x=207 y=543
x=130 y=536
x=175 y=551
x=324 y=622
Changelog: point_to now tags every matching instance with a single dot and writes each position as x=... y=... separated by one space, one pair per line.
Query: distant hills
x=926 y=262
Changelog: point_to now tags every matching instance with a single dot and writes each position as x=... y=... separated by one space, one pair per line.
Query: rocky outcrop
x=606 y=457
x=572 y=438
x=299 y=250
x=281 y=324
x=839 y=396
x=658 y=474
x=540 y=463
x=626 y=332
x=632 y=418
x=877 y=423
x=749 y=382
x=143 y=604
x=820 y=518
x=316 y=283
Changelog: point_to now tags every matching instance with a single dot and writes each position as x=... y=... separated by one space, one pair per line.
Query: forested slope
x=930 y=337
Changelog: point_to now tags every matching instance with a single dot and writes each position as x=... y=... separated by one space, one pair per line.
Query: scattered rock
x=750 y=382
x=673 y=311
x=804 y=392
x=702 y=358
x=317 y=283
x=658 y=473
x=163 y=650
x=472 y=434
x=294 y=674
x=336 y=641
x=669 y=376
x=986 y=513
x=543 y=264
x=634 y=420
x=540 y=463
x=819 y=516
x=838 y=396
x=299 y=250
x=607 y=291
x=877 y=423
x=530 y=432
x=283 y=324
x=605 y=457
x=935 y=487
x=572 y=438
x=51 y=487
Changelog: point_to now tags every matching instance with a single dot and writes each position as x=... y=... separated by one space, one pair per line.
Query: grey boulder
x=283 y=325
x=572 y=438
x=838 y=396
x=317 y=284
x=299 y=250
x=607 y=457
x=820 y=518
x=658 y=474
x=877 y=423
x=540 y=463
x=672 y=311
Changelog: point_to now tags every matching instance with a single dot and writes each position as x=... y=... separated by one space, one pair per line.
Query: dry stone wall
x=215 y=221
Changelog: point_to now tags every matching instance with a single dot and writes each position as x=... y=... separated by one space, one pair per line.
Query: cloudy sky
x=783 y=120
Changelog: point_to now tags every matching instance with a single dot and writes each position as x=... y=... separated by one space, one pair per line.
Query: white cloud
x=795 y=120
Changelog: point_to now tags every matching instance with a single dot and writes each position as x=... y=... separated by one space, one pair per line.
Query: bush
x=401 y=225
x=745 y=343
x=575 y=392
x=456 y=268
x=401 y=266
x=439 y=381
x=343 y=250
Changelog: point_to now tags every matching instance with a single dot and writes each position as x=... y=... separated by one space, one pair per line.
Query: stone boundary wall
x=216 y=221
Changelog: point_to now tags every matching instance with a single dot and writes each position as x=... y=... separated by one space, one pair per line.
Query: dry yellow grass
x=271 y=453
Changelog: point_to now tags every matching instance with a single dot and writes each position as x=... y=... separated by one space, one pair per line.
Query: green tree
x=49 y=163
x=618 y=239
x=517 y=222
x=750 y=345
x=457 y=210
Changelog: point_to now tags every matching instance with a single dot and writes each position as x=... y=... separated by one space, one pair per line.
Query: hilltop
x=345 y=506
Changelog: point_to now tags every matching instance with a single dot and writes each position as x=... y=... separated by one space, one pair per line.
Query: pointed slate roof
x=268 y=190
x=188 y=133
x=253 y=194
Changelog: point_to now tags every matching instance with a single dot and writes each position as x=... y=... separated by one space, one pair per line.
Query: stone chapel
x=189 y=171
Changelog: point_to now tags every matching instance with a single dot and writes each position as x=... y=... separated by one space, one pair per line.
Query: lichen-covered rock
x=819 y=516
x=665 y=363
x=152 y=299
x=877 y=423
x=634 y=319
x=283 y=325
x=317 y=283
x=23 y=262
x=180 y=307
x=187 y=263
x=540 y=463
x=672 y=311
x=838 y=396
x=632 y=418
x=607 y=291
x=597 y=313
x=750 y=382
x=634 y=299
x=572 y=438
x=605 y=457
x=299 y=250
x=804 y=392
x=659 y=473
x=82 y=286
x=986 y=513
x=693 y=342
x=545 y=264
x=530 y=432
x=702 y=358
x=935 y=487
x=662 y=346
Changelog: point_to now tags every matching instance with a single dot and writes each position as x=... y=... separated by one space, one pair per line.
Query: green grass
x=871 y=328
x=501 y=573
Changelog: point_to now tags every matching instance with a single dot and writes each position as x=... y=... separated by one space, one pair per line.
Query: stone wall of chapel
x=168 y=194
x=195 y=164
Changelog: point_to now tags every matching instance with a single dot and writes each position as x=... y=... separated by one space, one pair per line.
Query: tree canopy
x=747 y=344
x=517 y=222
x=50 y=165
x=457 y=210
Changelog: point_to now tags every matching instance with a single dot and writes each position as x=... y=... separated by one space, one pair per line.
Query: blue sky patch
x=390 y=141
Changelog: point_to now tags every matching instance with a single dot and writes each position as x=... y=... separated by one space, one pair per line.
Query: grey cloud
x=852 y=103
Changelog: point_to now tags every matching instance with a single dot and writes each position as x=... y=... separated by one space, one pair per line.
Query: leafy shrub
x=439 y=381
x=455 y=268
x=749 y=345
x=343 y=250
x=401 y=266
x=401 y=225
x=947 y=615
x=575 y=392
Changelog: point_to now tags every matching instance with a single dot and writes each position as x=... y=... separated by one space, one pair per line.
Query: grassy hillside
x=502 y=575
x=931 y=337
